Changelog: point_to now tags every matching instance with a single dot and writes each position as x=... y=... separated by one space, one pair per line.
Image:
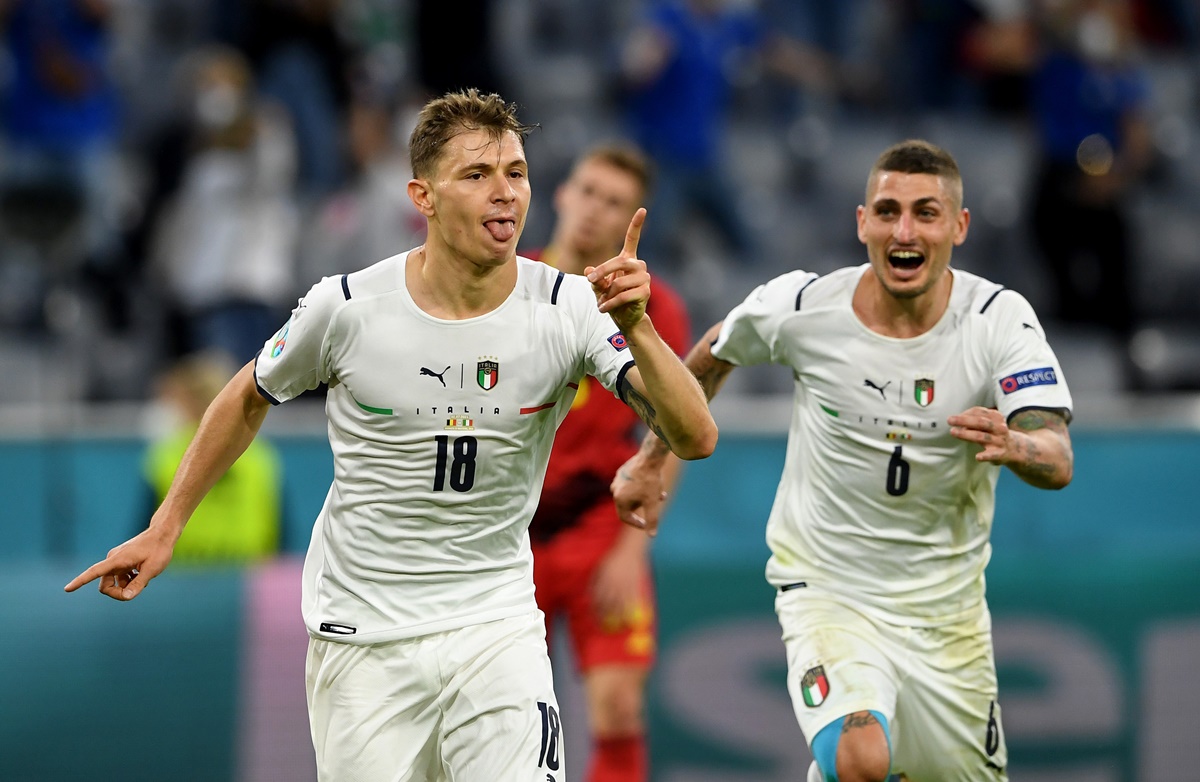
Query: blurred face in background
x=221 y=102
x=594 y=207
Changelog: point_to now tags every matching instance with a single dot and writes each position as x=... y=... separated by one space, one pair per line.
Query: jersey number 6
x=462 y=466
x=897 y=473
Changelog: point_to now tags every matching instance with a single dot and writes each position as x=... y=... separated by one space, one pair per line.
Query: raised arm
x=1034 y=444
x=659 y=388
x=227 y=429
x=638 y=488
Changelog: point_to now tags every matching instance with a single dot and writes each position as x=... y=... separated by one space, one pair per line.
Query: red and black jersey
x=599 y=434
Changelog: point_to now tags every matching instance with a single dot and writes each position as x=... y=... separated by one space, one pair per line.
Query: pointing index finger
x=634 y=233
x=86 y=577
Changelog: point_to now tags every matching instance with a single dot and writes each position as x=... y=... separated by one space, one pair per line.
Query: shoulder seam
x=991 y=298
x=557 y=284
x=803 y=288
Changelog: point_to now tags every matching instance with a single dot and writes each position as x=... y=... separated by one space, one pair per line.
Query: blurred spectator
x=1089 y=101
x=240 y=519
x=225 y=242
x=1168 y=23
x=679 y=67
x=301 y=61
x=964 y=54
x=60 y=123
x=999 y=46
x=372 y=217
x=454 y=46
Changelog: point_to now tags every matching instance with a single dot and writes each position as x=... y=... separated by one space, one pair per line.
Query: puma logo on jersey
x=438 y=375
x=1026 y=325
x=880 y=389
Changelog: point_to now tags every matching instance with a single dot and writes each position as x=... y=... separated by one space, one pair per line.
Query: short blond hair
x=457 y=112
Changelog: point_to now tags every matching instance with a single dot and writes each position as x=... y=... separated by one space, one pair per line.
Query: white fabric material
x=475 y=703
x=877 y=501
x=935 y=685
x=438 y=464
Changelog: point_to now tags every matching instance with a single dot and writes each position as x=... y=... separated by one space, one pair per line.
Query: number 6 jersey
x=440 y=431
x=878 y=502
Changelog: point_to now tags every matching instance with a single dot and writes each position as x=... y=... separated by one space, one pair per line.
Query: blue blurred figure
x=61 y=116
x=678 y=66
x=1090 y=102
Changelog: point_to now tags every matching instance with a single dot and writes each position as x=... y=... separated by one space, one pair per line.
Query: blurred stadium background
x=1095 y=590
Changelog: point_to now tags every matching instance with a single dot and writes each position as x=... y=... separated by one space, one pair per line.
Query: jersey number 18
x=461 y=466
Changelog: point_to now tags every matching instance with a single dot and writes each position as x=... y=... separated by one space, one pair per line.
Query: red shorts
x=563 y=568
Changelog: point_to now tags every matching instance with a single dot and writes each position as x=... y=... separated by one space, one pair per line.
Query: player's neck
x=450 y=287
x=897 y=317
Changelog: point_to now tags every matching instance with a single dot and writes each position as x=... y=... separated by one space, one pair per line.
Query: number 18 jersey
x=878 y=501
x=440 y=432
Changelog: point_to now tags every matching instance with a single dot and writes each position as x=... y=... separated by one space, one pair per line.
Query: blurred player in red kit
x=588 y=566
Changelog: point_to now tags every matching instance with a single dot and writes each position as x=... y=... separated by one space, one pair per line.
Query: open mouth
x=906 y=259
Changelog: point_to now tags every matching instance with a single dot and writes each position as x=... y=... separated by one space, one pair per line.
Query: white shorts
x=470 y=705
x=936 y=686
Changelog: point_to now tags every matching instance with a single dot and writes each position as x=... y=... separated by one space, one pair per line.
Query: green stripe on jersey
x=831 y=411
x=376 y=410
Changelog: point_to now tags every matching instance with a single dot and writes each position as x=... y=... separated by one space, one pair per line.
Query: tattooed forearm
x=709 y=370
x=712 y=375
x=645 y=410
x=1032 y=420
x=1046 y=459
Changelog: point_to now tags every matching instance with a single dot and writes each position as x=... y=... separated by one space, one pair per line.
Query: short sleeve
x=605 y=351
x=750 y=333
x=1025 y=371
x=296 y=358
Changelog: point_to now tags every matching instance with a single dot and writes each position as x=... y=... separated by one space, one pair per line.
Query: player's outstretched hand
x=622 y=284
x=638 y=494
x=987 y=428
x=127 y=569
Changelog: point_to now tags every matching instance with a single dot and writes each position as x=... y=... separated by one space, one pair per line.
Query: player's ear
x=421 y=195
x=964 y=222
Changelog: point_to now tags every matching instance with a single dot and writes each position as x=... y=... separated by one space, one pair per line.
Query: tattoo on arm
x=642 y=406
x=1039 y=464
x=860 y=719
x=709 y=370
x=1031 y=420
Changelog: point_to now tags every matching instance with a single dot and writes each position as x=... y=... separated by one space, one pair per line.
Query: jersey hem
x=863 y=606
x=415 y=631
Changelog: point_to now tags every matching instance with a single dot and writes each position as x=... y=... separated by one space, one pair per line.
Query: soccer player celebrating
x=915 y=382
x=587 y=566
x=449 y=368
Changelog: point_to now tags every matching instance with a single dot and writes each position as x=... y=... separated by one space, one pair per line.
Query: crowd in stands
x=174 y=174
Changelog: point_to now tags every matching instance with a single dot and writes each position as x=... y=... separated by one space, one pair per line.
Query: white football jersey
x=878 y=501
x=440 y=431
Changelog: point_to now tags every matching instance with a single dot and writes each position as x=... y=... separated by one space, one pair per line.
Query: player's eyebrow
x=483 y=166
x=883 y=203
